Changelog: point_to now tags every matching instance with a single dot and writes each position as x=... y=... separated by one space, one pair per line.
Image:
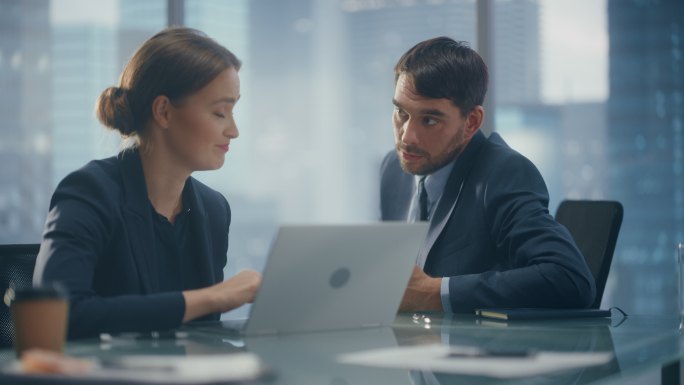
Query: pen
x=498 y=353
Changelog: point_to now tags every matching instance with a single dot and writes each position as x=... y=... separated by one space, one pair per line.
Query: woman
x=138 y=242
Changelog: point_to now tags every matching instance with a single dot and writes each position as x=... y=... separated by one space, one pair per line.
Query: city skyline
x=25 y=137
x=645 y=124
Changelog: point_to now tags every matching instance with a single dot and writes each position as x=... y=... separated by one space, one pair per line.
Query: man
x=491 y=242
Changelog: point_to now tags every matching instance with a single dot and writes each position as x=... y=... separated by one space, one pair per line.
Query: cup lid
x=28 y=293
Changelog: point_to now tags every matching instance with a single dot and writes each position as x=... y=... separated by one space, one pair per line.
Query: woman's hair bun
x=114 y=111
x=175 y=62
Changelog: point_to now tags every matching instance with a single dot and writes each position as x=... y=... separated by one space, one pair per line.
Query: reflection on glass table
x=591 y=335
x=637 y=344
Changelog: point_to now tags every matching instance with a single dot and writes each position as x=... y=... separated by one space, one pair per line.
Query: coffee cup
x=39 y=316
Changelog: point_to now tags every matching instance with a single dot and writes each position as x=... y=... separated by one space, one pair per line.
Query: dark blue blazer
x=98 y=241
x=491 y=232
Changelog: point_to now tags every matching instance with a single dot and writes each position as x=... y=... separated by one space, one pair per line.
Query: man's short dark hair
x=442 y=68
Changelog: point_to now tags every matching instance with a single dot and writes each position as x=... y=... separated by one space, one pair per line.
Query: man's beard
x=431 y=165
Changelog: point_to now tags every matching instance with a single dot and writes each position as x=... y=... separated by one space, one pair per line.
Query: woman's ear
x=161 y=111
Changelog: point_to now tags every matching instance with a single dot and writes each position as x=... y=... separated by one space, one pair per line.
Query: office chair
x=594 y=225
x=16 y=270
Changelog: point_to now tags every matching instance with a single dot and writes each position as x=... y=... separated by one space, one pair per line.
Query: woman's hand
x=238 y=290
x=223 y=296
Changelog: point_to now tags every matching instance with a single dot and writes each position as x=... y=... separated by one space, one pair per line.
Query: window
x=55 y=59
x=596 y=103
x=606 y=125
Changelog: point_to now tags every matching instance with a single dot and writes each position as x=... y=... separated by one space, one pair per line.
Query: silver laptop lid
x=326 y=277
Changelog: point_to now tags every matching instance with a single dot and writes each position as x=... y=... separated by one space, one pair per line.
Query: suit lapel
x=138 y=219
x=452 y=191
x=201 y=234
x=396 y=190
x=406 y=183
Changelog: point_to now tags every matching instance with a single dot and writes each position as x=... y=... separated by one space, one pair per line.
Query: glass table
x=639 y=344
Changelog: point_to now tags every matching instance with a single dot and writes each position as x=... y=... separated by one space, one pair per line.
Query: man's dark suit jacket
x=492 y=234
x=98 y=241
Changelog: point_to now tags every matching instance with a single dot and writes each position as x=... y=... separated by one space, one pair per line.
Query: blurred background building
x=646 y=147
x=26 y=104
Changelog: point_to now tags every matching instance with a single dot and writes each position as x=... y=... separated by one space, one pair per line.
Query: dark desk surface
x=639 y=344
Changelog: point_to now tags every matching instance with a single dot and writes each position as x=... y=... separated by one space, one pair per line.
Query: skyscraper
x=517 y=52
x=303 y=143
x=84 y=64
x=645 y=123
x=139 y=20
x=25 y=106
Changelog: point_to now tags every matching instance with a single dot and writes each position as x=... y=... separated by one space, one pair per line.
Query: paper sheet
x=436 y=358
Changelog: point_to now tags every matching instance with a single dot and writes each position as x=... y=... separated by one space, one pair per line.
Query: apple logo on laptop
x=339 y=277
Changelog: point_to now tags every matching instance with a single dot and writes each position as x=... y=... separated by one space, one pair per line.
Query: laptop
x=329 y=277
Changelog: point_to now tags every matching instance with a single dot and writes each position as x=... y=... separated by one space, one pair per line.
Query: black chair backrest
x=16 y=270
x=594 y=225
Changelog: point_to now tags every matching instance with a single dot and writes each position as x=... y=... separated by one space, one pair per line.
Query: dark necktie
x=422 y=199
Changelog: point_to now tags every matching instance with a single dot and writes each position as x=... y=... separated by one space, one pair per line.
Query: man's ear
x=474 y=121
x=161 y=111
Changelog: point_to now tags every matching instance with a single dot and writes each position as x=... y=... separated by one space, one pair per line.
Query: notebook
x=327 y=277
x=532 y=313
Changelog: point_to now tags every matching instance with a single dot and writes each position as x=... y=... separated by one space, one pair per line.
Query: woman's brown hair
x=175 y=63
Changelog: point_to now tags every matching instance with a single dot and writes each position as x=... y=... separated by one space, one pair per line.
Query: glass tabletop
x=637 y=344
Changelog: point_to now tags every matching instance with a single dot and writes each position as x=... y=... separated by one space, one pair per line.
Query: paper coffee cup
x=40 y=316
